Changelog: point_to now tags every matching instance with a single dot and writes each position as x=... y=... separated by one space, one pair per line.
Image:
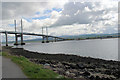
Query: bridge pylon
x=19 y=35
x=16 y=40
x=55 y=39
x=6 y=38
x=22 y=43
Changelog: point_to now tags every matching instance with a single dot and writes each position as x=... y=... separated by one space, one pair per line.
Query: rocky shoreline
x=72 y=66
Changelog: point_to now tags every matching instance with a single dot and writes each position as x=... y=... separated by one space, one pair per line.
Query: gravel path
x=10 y=69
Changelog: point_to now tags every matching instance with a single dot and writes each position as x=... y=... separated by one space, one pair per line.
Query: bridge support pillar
x=22 y=43
x=6 y=39
x=47 y=41
x=55 y=39
x=43 y=39
x=16 y=40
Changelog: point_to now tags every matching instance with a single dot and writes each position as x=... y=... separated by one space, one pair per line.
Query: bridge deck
x=11 y=32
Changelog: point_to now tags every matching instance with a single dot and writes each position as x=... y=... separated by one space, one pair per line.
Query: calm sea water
x=99 y=48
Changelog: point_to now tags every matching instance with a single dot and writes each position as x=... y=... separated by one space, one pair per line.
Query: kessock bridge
x=20 y=34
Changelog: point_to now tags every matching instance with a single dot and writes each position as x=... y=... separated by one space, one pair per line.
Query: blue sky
x=48 y=11
x=37 y=13
x=53 y=9
x=41 y=17
x=12 y=25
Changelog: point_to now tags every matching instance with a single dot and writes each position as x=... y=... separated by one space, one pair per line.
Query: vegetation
x=32 y=70
x=0 y=53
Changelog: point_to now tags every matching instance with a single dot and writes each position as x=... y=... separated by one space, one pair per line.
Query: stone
x=80 y=66
x=97 y=78
x=72 y=75
x=60 y=65
x=53 y=66
x=73 y=66
x=67 y=72
x=86 y=73
x=108 y=72
x=91 y=77
x=67 y=67
x=47 y=66
x=61 y=71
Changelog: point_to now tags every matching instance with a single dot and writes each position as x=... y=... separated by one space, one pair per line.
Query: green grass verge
x=32 y=70
x=0 y=53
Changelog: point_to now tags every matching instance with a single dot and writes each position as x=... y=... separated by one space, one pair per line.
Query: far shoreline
x=66 y=40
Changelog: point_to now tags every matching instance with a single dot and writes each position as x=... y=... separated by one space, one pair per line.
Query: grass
x=0 y=53
x=32 y=70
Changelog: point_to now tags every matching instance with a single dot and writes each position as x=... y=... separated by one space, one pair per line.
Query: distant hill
x=84 y=36
x=79 y=36
x=90 y=35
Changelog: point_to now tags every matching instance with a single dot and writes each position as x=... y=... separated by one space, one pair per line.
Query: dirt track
x=11 y=70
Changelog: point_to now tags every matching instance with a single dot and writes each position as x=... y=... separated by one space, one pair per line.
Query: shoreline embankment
x=72 y=66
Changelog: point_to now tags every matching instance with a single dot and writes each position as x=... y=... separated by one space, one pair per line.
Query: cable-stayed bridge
x=20 y=34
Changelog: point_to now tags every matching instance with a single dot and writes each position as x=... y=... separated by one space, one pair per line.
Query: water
x=98 y=48
x=104 y=49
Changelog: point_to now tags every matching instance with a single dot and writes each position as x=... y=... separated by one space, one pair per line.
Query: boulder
x=108 y=72
x=86 y=73
x=80 y=66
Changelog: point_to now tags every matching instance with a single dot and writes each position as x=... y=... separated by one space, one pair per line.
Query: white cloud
x=85 y=13
x=75 y=18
